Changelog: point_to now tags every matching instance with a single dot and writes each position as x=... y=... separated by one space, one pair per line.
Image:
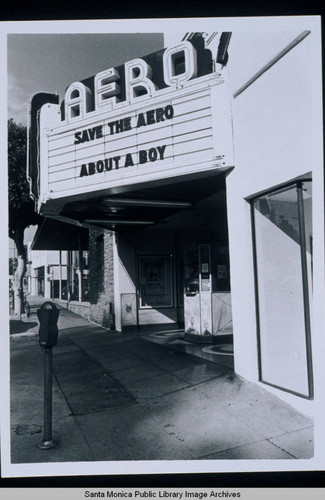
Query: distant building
x=58 y=274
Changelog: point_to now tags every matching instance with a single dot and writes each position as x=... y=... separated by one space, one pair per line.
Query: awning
x=130 y=209
x=57 y=235
x=137 y=207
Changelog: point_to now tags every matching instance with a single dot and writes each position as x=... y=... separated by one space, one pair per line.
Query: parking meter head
x=48 y=316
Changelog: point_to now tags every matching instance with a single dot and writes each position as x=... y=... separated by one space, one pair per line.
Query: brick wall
x=101 y=278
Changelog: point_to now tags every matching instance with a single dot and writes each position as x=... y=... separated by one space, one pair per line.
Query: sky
x=51 y=62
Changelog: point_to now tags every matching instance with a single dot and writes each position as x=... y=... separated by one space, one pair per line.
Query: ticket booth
x=207 y=300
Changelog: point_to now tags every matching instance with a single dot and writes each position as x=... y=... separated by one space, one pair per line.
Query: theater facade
x=191 y=197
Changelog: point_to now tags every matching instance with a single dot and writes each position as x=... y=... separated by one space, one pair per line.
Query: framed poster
x=155 y=281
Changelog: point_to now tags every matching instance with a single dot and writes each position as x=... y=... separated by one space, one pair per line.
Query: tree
x=21 y=206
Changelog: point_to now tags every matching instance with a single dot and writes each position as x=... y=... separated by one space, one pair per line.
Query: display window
x=79 y=275
x=282 y=230
x=85 y=276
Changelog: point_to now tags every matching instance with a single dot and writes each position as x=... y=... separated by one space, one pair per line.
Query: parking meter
x=48 y=316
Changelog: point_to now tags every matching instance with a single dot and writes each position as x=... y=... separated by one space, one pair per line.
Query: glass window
x=85 y=276
x=155 y=277
x=75 y=276
x=281 y=288
x=79 y=275
x=220 y=267
x=192 y=275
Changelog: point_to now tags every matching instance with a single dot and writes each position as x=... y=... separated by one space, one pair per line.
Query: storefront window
x=79 y=276
x=155 y=276
x=283 y=242
x=75 y=276
x=85 y=276
x=40 y=276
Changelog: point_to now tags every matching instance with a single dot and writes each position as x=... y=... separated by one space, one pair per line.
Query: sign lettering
x=143 y=156
x=88 y=135
x=124 y=124
x=138 y=83
x=115 y=162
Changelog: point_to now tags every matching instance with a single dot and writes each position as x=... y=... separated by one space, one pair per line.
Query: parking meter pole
x=48 y=316
x=48 y=441
x=47 y=393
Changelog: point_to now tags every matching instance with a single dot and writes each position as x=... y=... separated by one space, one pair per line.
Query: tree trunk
x=20 y=271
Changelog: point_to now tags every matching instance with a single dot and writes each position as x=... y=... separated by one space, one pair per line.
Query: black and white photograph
x=163 y=230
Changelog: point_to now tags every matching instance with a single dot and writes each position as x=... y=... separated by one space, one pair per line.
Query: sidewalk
x=130 y=397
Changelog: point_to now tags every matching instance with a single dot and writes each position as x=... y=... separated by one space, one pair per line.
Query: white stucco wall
x=277 y=138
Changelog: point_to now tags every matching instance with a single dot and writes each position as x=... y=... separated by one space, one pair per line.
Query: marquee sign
x=134 y=125
x=152 y=116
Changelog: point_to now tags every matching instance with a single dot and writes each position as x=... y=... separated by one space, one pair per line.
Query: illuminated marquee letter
x=138 y=79
x=106 y=89
x=77 y=101
x=180 y=64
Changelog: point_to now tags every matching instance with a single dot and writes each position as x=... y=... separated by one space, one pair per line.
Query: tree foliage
x=21 y=207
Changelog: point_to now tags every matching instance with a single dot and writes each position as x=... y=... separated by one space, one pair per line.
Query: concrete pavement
x=130 y=397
